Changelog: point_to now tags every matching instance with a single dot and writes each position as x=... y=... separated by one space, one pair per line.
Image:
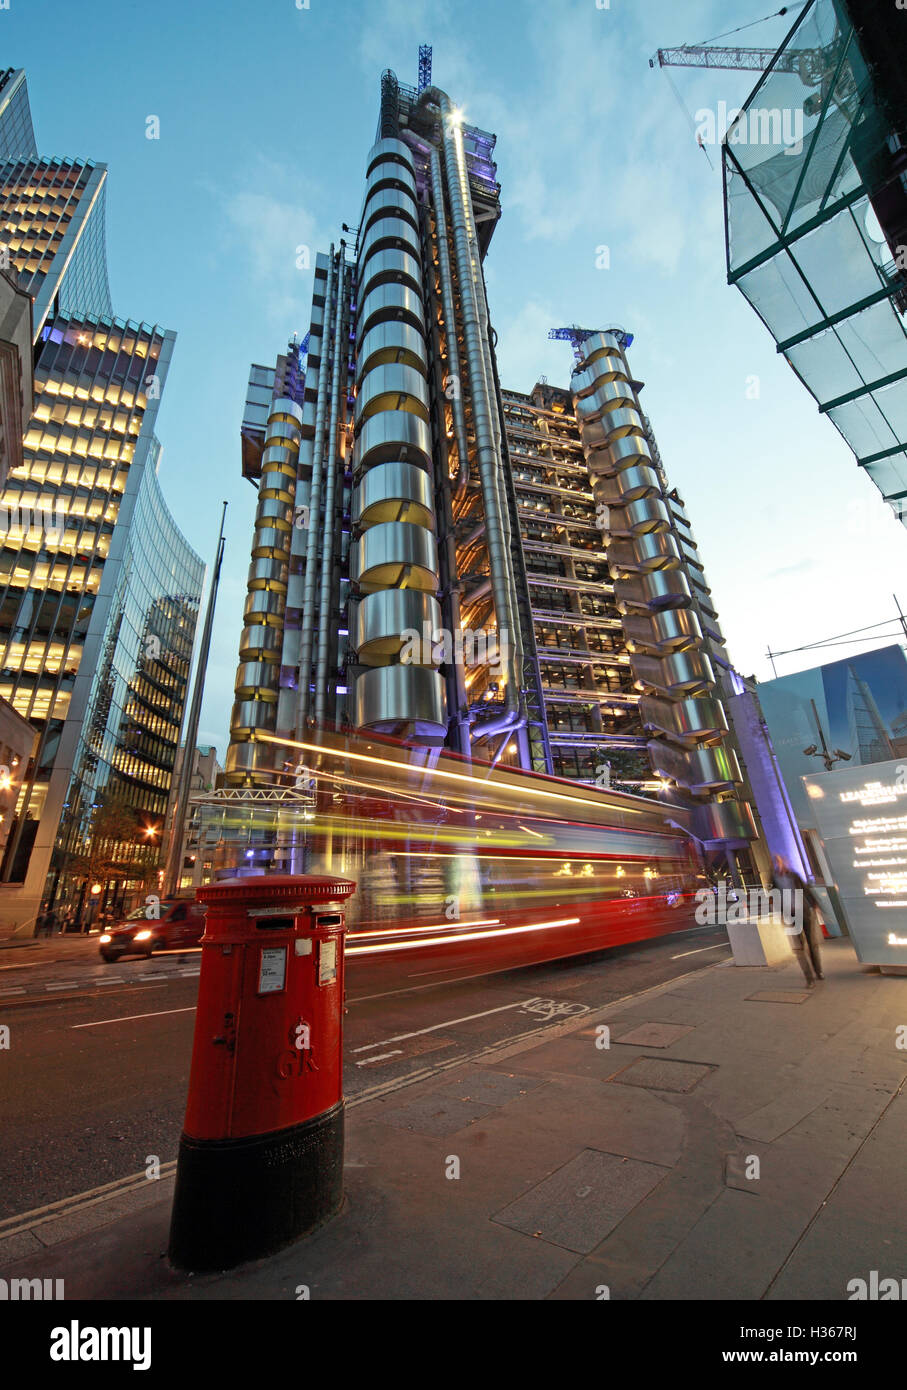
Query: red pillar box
x=261 y=1154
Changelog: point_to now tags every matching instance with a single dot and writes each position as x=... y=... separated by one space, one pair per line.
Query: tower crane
x=808 y=63
x=425 y=56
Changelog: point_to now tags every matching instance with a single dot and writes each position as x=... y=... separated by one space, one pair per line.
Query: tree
x=116 y=849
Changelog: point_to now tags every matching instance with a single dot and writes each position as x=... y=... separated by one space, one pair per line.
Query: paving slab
x=779 y=996
x=660 y=1074
x=577 y=1206
x=492 y=1087
x=655 y=1034
x=771 y=1121
x=434 y=1114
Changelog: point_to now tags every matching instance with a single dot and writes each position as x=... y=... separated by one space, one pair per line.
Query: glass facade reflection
x=92 y=570
x=17 y=135
x=130 y=732
x=52 y=222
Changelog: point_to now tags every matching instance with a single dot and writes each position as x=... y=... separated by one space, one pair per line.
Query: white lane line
x=367 y=1061
x=19 y=989
x=130 y=1017
x=66 y=984
x=718 y=945
x=448 y=1023
x=421 y=974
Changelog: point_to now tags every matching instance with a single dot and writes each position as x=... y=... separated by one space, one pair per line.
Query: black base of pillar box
x=240 y=1199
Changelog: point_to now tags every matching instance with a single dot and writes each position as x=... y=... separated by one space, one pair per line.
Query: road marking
x=131 y=1017
x=700 y=950
x=448 y=1023
x=66 y=984
x=39 y=1216
x=367 y=1061
x=20 y=989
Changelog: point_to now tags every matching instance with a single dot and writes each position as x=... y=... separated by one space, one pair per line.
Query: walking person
x=806 y=942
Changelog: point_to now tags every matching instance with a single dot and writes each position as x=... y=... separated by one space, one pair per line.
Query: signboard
x=272 y=972
x=859 y=706
x=861 y=817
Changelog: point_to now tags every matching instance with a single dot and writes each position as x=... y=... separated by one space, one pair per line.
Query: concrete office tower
x=428 y=558
x=99 y=591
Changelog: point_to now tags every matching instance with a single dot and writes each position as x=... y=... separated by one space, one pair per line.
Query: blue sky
x=267 y=112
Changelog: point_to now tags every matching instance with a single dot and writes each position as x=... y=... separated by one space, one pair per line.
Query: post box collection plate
x=327 y=962
x=272 y=970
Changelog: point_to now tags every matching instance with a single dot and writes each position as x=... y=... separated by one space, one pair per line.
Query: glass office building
x=126 y=741
x=99 y=591
x=17 y=134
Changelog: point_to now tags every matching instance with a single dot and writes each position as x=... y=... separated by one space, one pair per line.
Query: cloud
x=272 y=241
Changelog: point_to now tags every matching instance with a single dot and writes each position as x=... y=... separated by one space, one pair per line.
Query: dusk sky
x=267 y=113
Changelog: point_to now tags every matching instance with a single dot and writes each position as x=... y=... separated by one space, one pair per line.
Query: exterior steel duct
x=450 y=322
x=332 y=298
x=485 y=418
x=339 y=386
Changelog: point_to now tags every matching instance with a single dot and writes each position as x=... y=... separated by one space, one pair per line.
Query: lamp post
x=814 y=751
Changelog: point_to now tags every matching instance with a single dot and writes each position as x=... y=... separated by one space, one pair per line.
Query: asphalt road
x=93 y=1083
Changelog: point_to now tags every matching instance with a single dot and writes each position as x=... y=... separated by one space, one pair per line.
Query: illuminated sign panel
x=861 y=817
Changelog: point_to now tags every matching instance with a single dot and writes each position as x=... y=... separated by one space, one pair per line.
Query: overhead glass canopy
x=816 y=218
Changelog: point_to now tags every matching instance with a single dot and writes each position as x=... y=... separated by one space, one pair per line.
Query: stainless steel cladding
x=258 y=676
x=649 y=556
x=394 y=558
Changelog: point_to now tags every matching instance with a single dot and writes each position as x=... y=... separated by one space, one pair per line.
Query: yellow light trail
x=467 y=936
x=435 y=772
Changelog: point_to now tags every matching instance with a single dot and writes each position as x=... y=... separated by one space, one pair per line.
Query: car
x=181 y=924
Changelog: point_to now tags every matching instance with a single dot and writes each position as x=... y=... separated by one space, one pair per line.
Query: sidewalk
x=46 y=950
x=632 y=1167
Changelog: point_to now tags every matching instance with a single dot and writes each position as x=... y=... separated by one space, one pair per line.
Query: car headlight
x=105 y=937
x=142 y=936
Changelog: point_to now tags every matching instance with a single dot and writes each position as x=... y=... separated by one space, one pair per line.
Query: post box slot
x=334 y=920
x=274 y=923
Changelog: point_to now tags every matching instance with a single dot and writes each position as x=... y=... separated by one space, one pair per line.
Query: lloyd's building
x=402 y=492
